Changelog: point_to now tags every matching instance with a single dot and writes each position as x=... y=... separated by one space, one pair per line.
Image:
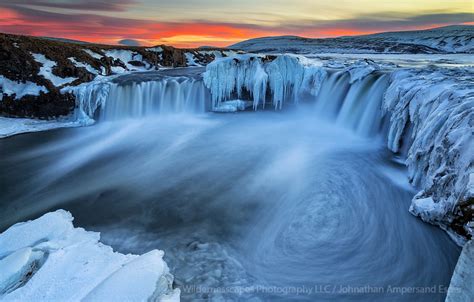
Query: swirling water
x=258 y=205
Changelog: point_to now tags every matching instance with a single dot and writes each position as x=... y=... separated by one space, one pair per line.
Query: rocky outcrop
x=33 y=70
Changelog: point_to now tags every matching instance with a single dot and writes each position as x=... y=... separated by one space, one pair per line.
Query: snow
x=47 y=71
x=93 y=54
x=154 y=49
x=20 y=89
x=191 y=60
x=13 y=126
x=88 y=67
x=286 y=76
x=461 y=288
x=126 y=56
x=49 y=259
x=449 y=39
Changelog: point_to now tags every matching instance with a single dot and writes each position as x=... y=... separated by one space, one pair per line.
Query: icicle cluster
x=432 y=112
x=287 y=77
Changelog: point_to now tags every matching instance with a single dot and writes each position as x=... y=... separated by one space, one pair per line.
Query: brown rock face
x=18 y=64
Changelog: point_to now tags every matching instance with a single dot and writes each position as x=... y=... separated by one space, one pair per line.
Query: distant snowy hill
x=449 y=39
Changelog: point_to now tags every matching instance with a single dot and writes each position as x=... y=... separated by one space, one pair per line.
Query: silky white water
x=299 y=204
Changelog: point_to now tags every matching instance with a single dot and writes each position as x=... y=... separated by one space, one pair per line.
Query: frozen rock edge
x=461 y=288
x=48 y=259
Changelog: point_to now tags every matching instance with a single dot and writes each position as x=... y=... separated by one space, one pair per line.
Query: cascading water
x=357 y=105
x=169 y=95
x=135 y=96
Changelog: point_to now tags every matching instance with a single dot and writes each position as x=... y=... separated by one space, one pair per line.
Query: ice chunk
x=77 y=266
x=232 y=106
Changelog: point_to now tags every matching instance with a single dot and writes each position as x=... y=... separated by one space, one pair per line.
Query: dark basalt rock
x=18 y=64
x=44 y=106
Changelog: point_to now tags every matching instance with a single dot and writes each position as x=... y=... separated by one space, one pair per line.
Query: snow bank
x=432 y=115
x=47 y=71
x=286 y=76
x=48 y=259
x=13 y=126
x=19 y=89
x=461 y=288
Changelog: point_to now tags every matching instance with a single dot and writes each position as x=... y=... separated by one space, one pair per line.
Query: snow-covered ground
x=13 y=126
x=449 y=39
x=48 y=259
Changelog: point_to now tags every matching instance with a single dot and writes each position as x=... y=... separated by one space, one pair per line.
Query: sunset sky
x=192 y=23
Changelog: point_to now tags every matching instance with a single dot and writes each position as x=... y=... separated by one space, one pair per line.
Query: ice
x=88 y=67
x=47 y=71
x=20 y=89
x=232 y=106
x=461 y=288
x=361 y=69
x=431 y=115
x=49 y=259
x=286 y=76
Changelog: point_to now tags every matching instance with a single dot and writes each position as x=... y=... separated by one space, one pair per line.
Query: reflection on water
x=273 y=200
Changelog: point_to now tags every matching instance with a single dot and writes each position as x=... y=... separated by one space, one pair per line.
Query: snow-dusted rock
x=461 y=288
x=46 y=70
x=88 y=67
x=19 y=89
x=126 y=57
x=48 y=259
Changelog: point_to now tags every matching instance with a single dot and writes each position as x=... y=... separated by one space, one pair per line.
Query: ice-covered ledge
x=461 y=288
x=49 y=259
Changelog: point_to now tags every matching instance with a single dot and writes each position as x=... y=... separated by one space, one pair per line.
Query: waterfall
x=169 y=95
x=356 y=106
x=116 y=100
